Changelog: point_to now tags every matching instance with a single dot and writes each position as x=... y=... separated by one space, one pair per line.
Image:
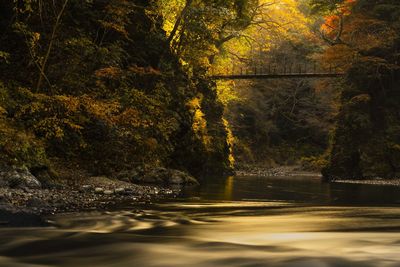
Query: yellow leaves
x=3 y=112
x=4 y=56
x=35 y=37
x=194 y=103
x=70 y=103
x=51 y=116
x=199 y=123
x=226 y=92
x=50 y=128
x=170 y=9
x=230 y=141
x=103 y=110
x=274 y=22
x=24 y=7
x=136 y=118
x=19 y=146
x=394 y=146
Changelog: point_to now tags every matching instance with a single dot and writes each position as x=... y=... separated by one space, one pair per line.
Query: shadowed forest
x=201 y=133
x=112 y=85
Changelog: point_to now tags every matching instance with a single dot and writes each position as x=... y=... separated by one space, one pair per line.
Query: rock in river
x=160 y=175
x=99 y=190
x=14 y=177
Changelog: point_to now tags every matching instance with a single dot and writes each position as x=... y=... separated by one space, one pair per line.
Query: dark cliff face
x=366 y=141
x=113 y=95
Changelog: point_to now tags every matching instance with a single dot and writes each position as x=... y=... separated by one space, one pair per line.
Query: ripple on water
x=241 y=234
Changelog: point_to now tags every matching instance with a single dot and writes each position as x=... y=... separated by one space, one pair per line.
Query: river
x=238 y=221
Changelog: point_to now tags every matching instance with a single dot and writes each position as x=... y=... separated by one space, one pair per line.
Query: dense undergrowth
x=95 y=82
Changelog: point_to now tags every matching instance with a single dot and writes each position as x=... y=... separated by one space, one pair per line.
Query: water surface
x=238 y=221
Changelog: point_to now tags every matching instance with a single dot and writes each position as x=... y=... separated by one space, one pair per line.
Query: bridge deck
x=275 y=76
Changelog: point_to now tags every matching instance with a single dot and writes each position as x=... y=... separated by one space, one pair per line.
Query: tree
x=198 y=28
x=366 y=139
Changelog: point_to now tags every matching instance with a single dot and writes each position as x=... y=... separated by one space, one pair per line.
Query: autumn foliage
x=95 y=82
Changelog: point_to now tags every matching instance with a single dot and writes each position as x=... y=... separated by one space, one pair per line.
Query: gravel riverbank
x=260 y=171
x=26 y=207
x=383 y=182
x=25 y=198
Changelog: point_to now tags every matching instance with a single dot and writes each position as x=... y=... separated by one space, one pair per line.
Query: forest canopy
x=122 y=83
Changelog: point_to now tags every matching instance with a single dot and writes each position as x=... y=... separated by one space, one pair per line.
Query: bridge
x=274 y=71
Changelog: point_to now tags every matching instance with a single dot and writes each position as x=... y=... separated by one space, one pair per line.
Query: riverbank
x=296 y=170
x=261 y=171
x=378 y=181
x=26 y=197
x=26 y=207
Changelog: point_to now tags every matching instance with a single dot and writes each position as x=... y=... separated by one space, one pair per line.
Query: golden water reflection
x=237 y=222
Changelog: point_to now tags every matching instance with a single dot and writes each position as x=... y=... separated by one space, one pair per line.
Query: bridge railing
x=280 y=69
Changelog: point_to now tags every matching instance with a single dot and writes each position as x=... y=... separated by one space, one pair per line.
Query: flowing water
x=240 y=221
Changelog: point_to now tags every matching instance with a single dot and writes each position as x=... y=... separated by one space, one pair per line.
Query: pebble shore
x=23 y=207
x=383 y=182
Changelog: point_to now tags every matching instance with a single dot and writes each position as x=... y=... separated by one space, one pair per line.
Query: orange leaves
x=333 y=21
x=144 y=70
x=102 y=110
x=53 y=116
x=330 y=24
x=109 y=73
x=346 y=7
x=356 y=31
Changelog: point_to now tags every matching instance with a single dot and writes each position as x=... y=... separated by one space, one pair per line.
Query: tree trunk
x=50 y=47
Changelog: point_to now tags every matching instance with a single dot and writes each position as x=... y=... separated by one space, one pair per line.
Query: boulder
x=119 y=191
x=108 y=192
x=18 y=178
x=129 y=176
x=159 y=175
x=47 y=178
x=181 y=178
x=155 y=176
x=99 y=190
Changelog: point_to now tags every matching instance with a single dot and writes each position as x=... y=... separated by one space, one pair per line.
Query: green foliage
x=282 y=121
x=325 y=7
x=313 y=163
x=198 y=29
x=4 y=56
x=18 y=146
